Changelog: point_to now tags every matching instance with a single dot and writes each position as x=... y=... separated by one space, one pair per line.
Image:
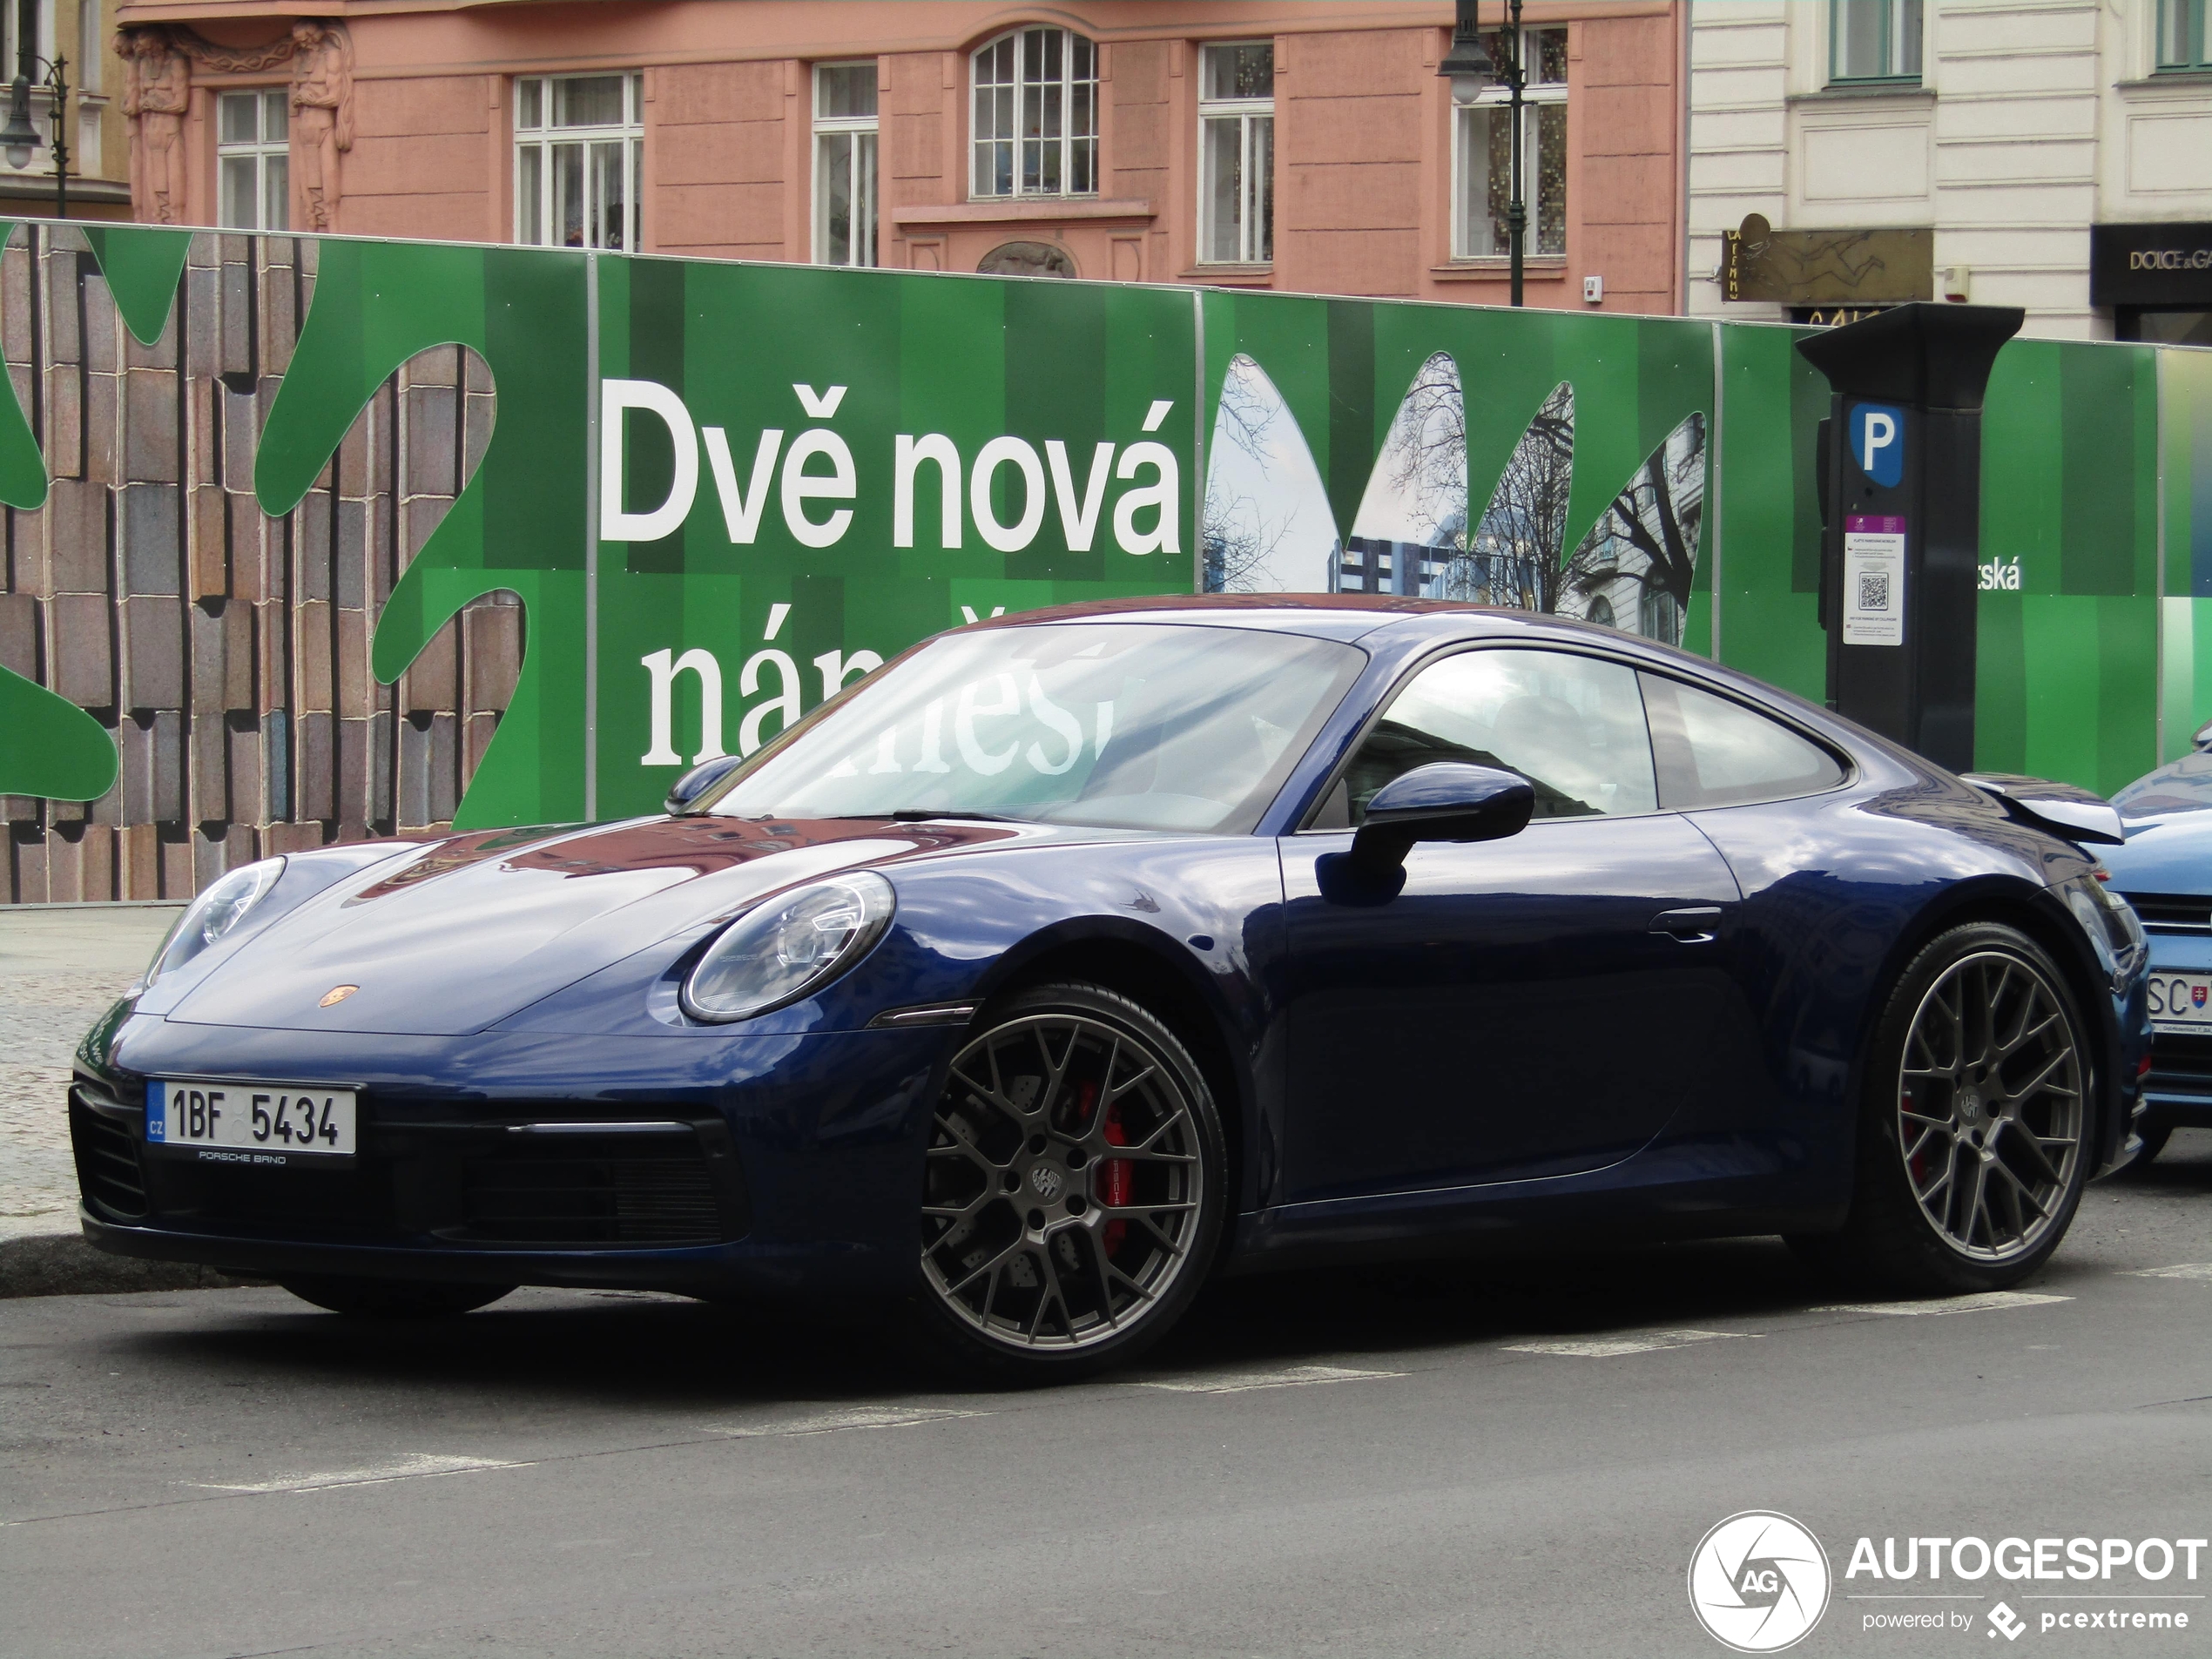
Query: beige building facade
x=2056 y=154
x=1308 y=148
x=82 y=35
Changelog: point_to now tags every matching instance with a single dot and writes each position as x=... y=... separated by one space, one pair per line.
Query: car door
x=1527 y=1007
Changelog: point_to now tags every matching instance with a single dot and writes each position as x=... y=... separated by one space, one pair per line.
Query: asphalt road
x=1387 y=1464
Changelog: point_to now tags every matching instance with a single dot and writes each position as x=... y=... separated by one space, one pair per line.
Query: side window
x=1713 y=752
x=1574 y=726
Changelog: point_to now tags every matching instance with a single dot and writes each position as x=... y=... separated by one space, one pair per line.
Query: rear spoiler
x=2067 y=810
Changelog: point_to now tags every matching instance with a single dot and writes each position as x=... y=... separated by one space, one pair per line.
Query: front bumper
x=2177 y=1092
x=752 y=1163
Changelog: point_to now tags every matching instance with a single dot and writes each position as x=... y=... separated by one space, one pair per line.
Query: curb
x=64 y=1264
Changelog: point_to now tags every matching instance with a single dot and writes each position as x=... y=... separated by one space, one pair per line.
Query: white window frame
x=1069 y=142
x=545 y=137
x=1898 y=31
x=1535 y=96
x=10 y=45
x=91 y=61
x=1255 y=189
x=861 y=189
x=2178 y=28
x=272 y=197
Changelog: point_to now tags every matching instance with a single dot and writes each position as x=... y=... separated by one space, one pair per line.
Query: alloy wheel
x=1063 y=1183
x=1990 y=1106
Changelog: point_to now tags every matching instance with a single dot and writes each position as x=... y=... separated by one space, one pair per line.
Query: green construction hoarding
x=719 y=492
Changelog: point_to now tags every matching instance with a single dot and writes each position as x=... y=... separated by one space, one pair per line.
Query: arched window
x=1035 y=126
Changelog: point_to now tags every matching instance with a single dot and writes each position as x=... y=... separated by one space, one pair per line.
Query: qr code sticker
x=1874 y=590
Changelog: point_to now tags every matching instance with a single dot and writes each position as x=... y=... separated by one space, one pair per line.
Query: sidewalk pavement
x=60 y=966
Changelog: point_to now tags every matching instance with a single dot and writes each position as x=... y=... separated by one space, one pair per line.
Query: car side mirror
x=695 y=783
x=1447 y=801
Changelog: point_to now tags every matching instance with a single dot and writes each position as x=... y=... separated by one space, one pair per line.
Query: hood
x=2170 y=854
x=478 y=926
x=2177 y=789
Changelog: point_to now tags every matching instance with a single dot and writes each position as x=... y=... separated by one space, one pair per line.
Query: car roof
x=1328 y=616
x=1418 y=624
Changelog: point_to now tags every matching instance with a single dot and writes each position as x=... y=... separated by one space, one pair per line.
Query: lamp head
x=1467 y=66
x=19 y=138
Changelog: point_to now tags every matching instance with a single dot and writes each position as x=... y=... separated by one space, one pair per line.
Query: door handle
x=1697 y=925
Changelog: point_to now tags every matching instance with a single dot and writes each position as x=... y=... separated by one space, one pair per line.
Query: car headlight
x=789 y=947
x=214 y=913
x=2115 y=930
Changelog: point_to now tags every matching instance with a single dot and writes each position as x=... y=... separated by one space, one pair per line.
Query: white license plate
x=2180 y=1001
x=233 y=1123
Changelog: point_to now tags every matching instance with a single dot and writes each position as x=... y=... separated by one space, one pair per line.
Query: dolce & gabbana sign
x=2150 y=264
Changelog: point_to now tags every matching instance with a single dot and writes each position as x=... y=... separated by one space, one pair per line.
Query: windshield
x=1120 y=724
x=2185 y=786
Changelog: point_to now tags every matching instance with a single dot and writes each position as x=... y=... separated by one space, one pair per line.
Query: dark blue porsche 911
x=1076 y=958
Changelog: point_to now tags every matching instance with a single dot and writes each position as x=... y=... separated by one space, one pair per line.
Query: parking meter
x=1899 y=460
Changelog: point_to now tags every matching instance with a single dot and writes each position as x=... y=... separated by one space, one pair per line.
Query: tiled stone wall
x=227 y=650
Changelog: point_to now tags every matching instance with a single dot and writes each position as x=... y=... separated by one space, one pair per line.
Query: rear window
x=1715 y=752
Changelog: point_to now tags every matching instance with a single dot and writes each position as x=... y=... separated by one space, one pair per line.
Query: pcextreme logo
x=1758 y=1581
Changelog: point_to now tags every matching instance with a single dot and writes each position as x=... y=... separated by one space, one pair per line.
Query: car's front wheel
x=1073 y=1188
x=392 y=1298
x=1973 y=1143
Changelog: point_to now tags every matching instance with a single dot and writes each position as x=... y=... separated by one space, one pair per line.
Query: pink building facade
x=1307 y=147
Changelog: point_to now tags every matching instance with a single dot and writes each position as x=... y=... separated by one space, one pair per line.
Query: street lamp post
x=19 y=138
x=1470 y=69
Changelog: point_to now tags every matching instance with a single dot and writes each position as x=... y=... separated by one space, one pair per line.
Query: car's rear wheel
x=392 y=1298
x=1973 y=1143
x=1073 y=1188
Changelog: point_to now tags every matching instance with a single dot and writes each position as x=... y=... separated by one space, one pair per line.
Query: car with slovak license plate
x=2164 y=869
x=1075 y=960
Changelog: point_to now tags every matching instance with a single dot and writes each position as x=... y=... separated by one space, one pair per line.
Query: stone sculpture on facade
x=322 y=118
x=159 y=60
x=157 y=93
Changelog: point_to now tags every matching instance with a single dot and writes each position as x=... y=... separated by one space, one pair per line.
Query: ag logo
x=1758 y=1581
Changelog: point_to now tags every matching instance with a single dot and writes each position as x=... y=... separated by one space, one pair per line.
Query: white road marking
x=1981 y=1302
x=413 y=1466
x=1614 y=1348
x=1241 y=1382
x=832 y=1422
x=2180 y=1270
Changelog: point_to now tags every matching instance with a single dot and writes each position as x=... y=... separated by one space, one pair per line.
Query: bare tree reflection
x=1267 y=525
x=1512 y=557
x=1639 y=558
x=1411 y=521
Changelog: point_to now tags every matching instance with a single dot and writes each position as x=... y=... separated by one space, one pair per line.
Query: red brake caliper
x=1116 y=1178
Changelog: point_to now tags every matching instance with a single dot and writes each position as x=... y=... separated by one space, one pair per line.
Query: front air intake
x=608 y=1194
x=107 y=1155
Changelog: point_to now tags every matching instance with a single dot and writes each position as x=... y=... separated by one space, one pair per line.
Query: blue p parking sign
x=1878 y=442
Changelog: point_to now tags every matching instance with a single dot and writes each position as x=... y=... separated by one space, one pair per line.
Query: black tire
x=392 y=1298
x=2014 y=1166
x=2154 y=1137
x=1044 y=1257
